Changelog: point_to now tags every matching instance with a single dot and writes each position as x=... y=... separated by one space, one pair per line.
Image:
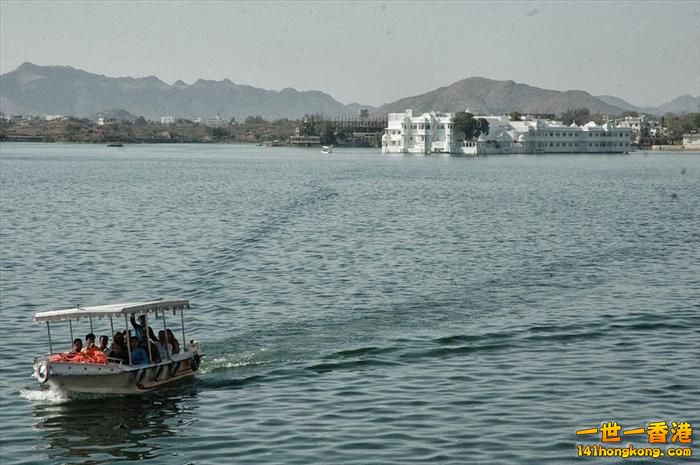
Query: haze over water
x=357 y=307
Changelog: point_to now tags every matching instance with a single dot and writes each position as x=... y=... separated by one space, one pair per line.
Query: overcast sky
x=369 y=52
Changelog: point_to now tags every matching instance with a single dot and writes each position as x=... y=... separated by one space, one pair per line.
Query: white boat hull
x=115 y=378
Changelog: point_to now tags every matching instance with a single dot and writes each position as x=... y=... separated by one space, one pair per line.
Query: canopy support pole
x=165 y=328
x=91 y=330
x=182 y=322
x=70 y=325
x=128 y=337
x=48 y=329
x=148 y=337
x=111 y=325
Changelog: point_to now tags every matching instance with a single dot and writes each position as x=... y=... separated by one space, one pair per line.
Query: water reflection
x=99 y=430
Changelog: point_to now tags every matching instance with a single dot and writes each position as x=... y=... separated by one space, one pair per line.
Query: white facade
x=167 y=120
x=638 y=124
x=691 y=141
x=434 y=133
x=428 y=133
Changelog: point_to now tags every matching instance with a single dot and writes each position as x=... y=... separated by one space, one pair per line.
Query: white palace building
x=434 y=133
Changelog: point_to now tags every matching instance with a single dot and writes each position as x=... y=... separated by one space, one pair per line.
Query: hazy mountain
x=33 y=89
x=682 y=104
x=40 y=90
x=486 y=96
x=619 y=103
x=119 y=114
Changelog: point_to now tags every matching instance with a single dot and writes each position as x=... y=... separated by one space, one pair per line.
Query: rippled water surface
x=356 y=307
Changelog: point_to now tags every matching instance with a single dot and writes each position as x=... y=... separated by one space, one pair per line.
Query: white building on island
x=434 y=133
x=691 y=141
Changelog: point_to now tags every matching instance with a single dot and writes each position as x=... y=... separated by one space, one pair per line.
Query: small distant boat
x=327 y=149
x=115 y=144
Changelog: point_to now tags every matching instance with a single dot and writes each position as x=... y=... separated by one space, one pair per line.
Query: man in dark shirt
x=140 y=330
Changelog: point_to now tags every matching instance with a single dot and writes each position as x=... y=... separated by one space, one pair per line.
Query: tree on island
x=580 y=116
x=255 y=120
x=515 y=116
x=328 y=133
x=677 y=125
x=344 y=134
x=309 y=127
x=470 y=126
x=220 y=134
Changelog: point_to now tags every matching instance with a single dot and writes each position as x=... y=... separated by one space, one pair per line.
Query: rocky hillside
x=486 y=96
x=40 y=90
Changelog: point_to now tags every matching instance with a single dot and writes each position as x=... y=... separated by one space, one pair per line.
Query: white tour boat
x=73 y=373
x=327 y=149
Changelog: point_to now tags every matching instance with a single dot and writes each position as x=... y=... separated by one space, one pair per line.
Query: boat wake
x=44 y=396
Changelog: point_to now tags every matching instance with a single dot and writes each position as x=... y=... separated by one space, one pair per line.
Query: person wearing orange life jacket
x=90 y=344
x=92 y=353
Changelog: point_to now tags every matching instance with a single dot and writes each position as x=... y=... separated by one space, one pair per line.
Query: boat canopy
x=100 y=311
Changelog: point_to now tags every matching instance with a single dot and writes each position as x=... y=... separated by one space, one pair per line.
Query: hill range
x=41 y=90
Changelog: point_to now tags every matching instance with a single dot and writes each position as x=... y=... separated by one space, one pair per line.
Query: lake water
x=357 y=308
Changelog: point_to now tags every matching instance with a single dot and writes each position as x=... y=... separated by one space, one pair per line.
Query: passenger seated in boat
x=138 y=354
x=155 y=352
x=173 y=342
x=104 y=341
x=164 y=347
x=140 y=330
x=77 y=345
x=118 y=348
x=90 y=344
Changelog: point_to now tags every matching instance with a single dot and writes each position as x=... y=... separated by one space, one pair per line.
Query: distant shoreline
x=668 y=149
x=254 y=131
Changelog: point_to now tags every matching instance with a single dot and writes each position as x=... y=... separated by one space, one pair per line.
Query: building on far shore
x=434 y=133
x=640 y=125
x=691 y=141
x=167 y=120
x=300 y=139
